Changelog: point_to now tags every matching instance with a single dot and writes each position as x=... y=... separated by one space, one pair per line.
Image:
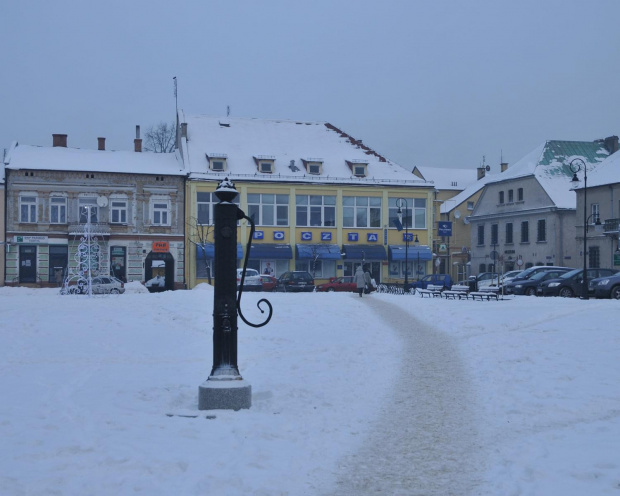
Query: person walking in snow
x=360 y=280
x=368 y=280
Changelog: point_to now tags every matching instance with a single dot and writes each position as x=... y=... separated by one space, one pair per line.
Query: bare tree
x=199 y=236
x=160 y=138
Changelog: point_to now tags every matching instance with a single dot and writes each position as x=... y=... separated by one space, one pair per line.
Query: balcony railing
x=96 y=228
x=611 y=226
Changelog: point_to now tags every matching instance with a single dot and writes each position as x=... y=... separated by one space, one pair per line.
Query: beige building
x=132 y=201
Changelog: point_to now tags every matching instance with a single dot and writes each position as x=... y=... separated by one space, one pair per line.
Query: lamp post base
x=223 y=394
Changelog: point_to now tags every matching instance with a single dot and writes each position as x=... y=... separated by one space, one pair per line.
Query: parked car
x=570 y=283
x=268 y=282
x=531 y=271
x=509 y=276
x=528 y=286
x=345 y=283
x=606 y=286
x=252 y=281
x=482 y=279
x=99 y=285
x=295 y=281
x=444 y=280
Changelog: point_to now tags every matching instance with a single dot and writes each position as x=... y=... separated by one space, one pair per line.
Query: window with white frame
x=217 y=161
x=315 y=210
x=58 y=209
x=28 y=207
x=160 y=211
x=205 y=201
x=88 y=205
x=541 y=231
x=470 y=205
x=118 y=210
x=268 y=209
x=361 y=211
x=413 y=212
x=595 y=212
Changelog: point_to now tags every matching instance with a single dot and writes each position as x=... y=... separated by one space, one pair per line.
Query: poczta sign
x=161 y=246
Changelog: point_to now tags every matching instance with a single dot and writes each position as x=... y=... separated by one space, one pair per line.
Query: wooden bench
x=453 y=295
x=429 y=293
x=484 y=295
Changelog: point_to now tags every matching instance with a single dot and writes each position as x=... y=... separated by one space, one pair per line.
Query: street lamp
x=416 y=242
x=575 y=166
x=399 y=204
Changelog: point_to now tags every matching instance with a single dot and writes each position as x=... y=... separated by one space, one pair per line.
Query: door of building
x=27 y=264
x=118 y=256
x=59 y=257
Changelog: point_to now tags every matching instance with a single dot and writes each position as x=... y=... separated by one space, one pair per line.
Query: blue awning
x=364 y=252
x=324 y=252
x=209 y=251
x=271 y=250
x=397 y=253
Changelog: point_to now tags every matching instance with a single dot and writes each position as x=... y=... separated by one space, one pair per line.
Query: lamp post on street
x=575 y=166
x=416 y=242
x=399 y=204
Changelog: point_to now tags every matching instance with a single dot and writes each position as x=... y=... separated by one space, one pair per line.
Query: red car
x=346 y=283
x=268 y=282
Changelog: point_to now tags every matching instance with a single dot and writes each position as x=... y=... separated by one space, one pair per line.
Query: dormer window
x=313 y=165
x=217 y=161
x=359 y=168
x=265 y=163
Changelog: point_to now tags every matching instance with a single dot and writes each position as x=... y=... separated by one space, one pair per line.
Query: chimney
x=481 y=172
x=59 y=140
x=137 y=143
x=183 y=129
x=504 y=166
x=611 y=144
x=100 y=143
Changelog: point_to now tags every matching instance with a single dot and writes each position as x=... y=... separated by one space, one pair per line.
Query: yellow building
x=321 y=200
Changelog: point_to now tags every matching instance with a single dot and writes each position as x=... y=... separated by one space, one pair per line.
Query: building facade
x=322 y=201
x=133 y=202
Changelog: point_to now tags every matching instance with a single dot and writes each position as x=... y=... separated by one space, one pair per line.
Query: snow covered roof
x=449 y=179
x=60 y=158
x=549 y=164
x=607 y=173
x=291 y=145
x=468 y=192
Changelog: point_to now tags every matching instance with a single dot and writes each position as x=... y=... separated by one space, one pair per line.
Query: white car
x=99 y=285
x=252 y=281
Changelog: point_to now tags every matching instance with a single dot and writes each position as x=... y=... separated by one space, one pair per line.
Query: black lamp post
x=399 y=204
x=416 y=242
x=575 y=166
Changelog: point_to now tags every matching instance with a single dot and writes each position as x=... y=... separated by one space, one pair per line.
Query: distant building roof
x=291 y=144
x=60 y=158
x=549 y=164
x=468 y=192
x=449 y=179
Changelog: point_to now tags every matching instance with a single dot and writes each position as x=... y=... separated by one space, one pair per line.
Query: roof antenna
x=227 y=110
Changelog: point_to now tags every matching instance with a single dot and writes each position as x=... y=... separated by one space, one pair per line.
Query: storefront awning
x=209 y=251
x=324 y=252
x=364 y=252
x=271 y=251
x=397 y=253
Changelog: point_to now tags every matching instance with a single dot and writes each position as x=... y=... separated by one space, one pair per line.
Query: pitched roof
x=607 y=173
x=59 y=158
x=472 y=189
x=549 y=164
x=289 y=143
x=449 y=179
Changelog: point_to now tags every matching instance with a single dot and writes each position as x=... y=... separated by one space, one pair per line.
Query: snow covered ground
x=516 y=397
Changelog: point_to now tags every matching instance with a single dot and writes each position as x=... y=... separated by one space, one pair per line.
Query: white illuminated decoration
x=90 y=258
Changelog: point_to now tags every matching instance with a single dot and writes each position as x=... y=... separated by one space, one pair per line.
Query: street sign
x=444 y=229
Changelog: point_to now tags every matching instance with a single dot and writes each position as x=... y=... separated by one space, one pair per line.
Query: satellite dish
x=102 y=201
x=488 y=168
x=457 y=215
x=466 y=220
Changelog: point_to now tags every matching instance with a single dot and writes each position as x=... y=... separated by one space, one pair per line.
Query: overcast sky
x=426 y=83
